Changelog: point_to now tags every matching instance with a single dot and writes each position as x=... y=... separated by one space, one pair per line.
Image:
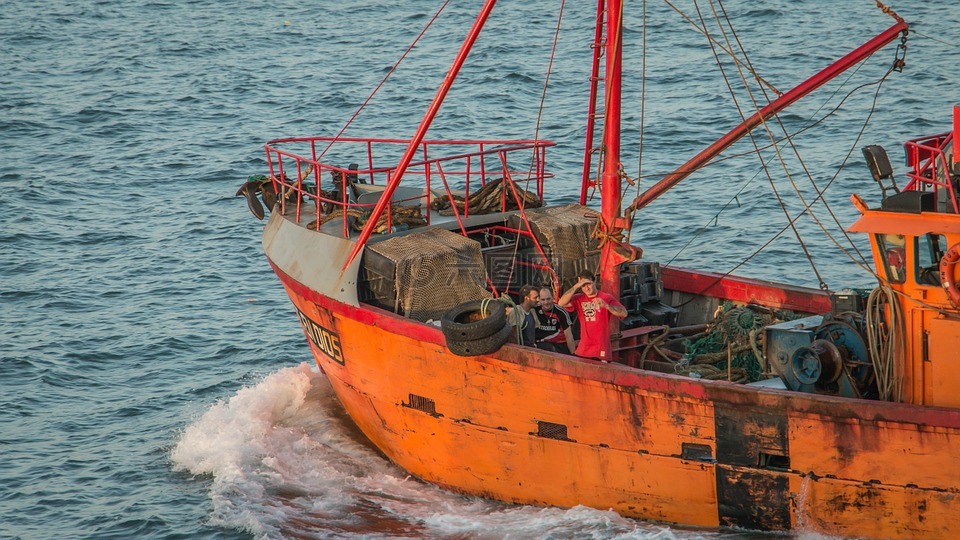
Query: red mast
x=610 y=178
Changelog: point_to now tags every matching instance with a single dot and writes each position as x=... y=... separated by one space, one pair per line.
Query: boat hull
x=532 y=427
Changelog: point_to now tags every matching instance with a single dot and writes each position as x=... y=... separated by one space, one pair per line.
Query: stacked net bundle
x=423 y=274
x=565 y=234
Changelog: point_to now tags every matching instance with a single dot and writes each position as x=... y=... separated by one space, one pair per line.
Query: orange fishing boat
x=726 y=401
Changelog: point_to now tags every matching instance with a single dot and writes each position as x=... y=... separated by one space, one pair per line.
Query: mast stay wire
x=546 y=84
x=836 y=108
x=521 y=203
x=753 y=141
x=643 y=103
x=786 y=171
x=931 y=38
x=384 y=79
x=729 y=53
x=863 y=265
x=814 y=123
x=775 y=142
x=797 y=152
x=643 y=79
x=733 y=58
x=897 y=65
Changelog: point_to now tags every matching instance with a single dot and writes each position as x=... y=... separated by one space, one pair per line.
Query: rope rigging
x=732 y=56
x=884 y=318
x=897 y=65
x=765 y=125
x=643 y=102
x=774 y=143
x=524 y=200
x=862 y=262
x=384 y=79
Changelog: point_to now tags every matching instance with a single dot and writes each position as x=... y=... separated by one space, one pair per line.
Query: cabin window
x=929 y=249
x=893 y=249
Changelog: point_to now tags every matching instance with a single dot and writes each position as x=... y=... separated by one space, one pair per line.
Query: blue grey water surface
x=154 y=382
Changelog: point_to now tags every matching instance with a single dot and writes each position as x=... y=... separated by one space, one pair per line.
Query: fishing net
x=423 y=274
x=564 y=233
x=736 y=334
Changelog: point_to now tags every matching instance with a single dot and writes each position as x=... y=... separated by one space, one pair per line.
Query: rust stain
x=862 y=497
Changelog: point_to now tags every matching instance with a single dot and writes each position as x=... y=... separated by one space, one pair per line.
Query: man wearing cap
x=594 y=308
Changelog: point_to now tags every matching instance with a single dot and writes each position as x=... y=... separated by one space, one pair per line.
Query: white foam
x=286 y=462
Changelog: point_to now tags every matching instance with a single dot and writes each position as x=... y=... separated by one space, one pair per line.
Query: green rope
x=731 y=330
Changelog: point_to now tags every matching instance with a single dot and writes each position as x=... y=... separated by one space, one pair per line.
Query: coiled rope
x=886 y=342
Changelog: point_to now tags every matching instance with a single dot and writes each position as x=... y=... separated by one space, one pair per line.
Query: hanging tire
x=485 y=345
x=465 y=322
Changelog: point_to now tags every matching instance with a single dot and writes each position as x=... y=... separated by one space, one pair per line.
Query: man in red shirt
x=593 y=308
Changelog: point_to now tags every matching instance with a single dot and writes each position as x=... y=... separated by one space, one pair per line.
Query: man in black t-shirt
x=553 y=325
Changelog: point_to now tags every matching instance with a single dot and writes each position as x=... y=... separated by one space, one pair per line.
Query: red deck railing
x=931 y=168
x=443 y=169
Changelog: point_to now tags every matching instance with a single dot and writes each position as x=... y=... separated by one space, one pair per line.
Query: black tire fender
x=484 y=345
x=457 y=325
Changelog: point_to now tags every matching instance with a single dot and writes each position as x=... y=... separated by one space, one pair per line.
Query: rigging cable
x=643 y=103
x=384 y=80
x=521 y=203
x=863 y=265
x=789 y=141
x=815 y=123
x=729 y=53
x=543 y=93
x=897 y=66
x=773 y=186
x=931 y=38
x=715 y=219
x=862 y=262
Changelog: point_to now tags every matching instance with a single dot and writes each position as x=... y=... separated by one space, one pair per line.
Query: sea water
x=154 y=382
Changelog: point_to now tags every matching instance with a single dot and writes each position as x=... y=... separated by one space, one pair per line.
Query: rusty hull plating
x=648 y=445
x=530 y=426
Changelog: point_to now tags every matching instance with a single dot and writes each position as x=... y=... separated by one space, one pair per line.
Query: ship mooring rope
x=886 y=341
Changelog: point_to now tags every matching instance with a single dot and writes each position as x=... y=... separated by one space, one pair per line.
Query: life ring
x=947 y=275
x=473 y=320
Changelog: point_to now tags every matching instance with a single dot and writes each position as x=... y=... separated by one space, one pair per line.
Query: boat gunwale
x=717 y=393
